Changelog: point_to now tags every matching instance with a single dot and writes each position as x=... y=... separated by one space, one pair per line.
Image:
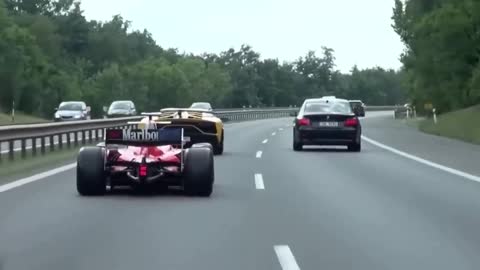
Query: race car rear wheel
x=218 y=149
x=90 y=171
x=198 y=172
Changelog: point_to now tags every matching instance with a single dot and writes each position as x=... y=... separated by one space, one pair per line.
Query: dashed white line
x=259 y=181
x=280 y=129
x=274 y=133
x=259 y=154
x=423 y=161
x=36 y=177
x=265 y=141
x=286 y=258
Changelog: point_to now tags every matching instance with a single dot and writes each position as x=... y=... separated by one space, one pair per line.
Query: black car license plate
x=328 y=124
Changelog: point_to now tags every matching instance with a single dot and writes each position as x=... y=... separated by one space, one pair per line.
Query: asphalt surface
x=333 y=209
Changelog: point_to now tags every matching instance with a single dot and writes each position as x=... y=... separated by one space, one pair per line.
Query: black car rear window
x=328 y=107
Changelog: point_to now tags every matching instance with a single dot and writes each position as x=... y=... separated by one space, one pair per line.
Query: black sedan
x=327 y=122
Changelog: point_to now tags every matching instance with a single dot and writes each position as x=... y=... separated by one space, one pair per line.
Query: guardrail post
x=24 y=148
x=75 y=138
x=83 y=137
x=11 y=153
x=52 y=143
x=97 y=135
x=34 y=146
x=60 y=141
x=90 y=134
x=69 y=140
x=42 y=145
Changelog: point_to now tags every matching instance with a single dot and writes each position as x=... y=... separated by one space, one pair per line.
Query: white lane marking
x=280 y=129
x=424 y=161
x=265 y=141
x=259 y=181
x=36 y=177
x=286 y=258
x=259 y=154
x=274 y=133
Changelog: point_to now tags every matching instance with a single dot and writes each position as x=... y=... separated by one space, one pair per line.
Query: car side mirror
x=89 y=109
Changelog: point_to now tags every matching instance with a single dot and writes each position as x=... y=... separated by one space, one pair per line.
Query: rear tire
x=218 y=149
x=91 y=180
x=297 y=146
x=198 y=172
x=355 y=147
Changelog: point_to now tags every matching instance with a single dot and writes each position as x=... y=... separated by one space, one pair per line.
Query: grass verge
x=20 y=168
x=20 y=118
x=462 y=125
x=413 y=122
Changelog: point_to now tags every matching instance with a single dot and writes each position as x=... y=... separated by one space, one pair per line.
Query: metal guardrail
x=20 y=138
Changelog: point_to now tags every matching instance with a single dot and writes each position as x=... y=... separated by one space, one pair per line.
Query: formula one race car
x=201 y=125
x=145 y=158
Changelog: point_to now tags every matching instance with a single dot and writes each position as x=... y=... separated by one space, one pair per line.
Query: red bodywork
x=135 y=154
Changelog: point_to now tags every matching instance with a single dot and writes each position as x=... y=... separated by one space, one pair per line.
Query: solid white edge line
x=424 y=161
x=265 y=141
x=259 y=181
x=286 y=258
x=259 y=154
x=36 y=177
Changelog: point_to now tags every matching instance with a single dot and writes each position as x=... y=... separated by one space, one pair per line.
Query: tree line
x=49 y=52
x=441 y=59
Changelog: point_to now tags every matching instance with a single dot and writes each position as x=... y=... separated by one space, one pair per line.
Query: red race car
x=143 y=158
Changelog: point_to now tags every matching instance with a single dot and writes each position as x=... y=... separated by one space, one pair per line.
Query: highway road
x=272 y=208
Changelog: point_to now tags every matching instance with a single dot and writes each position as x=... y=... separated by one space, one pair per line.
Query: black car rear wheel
x=91 y=178
x=355 y=147
x=198 y=172
x=297 y=146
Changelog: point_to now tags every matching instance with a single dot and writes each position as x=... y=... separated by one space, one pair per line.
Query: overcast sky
x=359 y=31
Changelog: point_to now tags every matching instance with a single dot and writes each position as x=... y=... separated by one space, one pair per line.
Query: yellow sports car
x=199 y=125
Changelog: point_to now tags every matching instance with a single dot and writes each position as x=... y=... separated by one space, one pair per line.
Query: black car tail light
x=351 y=122
x=304 y=122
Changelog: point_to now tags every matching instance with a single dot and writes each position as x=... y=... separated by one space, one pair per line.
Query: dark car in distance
x=121 y=108
x=201 y=105
x=72 y=111
x=358 y=107
x=327 y=121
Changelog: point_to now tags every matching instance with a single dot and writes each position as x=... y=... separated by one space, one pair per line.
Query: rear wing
x=146 y=137
x=173 y=112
